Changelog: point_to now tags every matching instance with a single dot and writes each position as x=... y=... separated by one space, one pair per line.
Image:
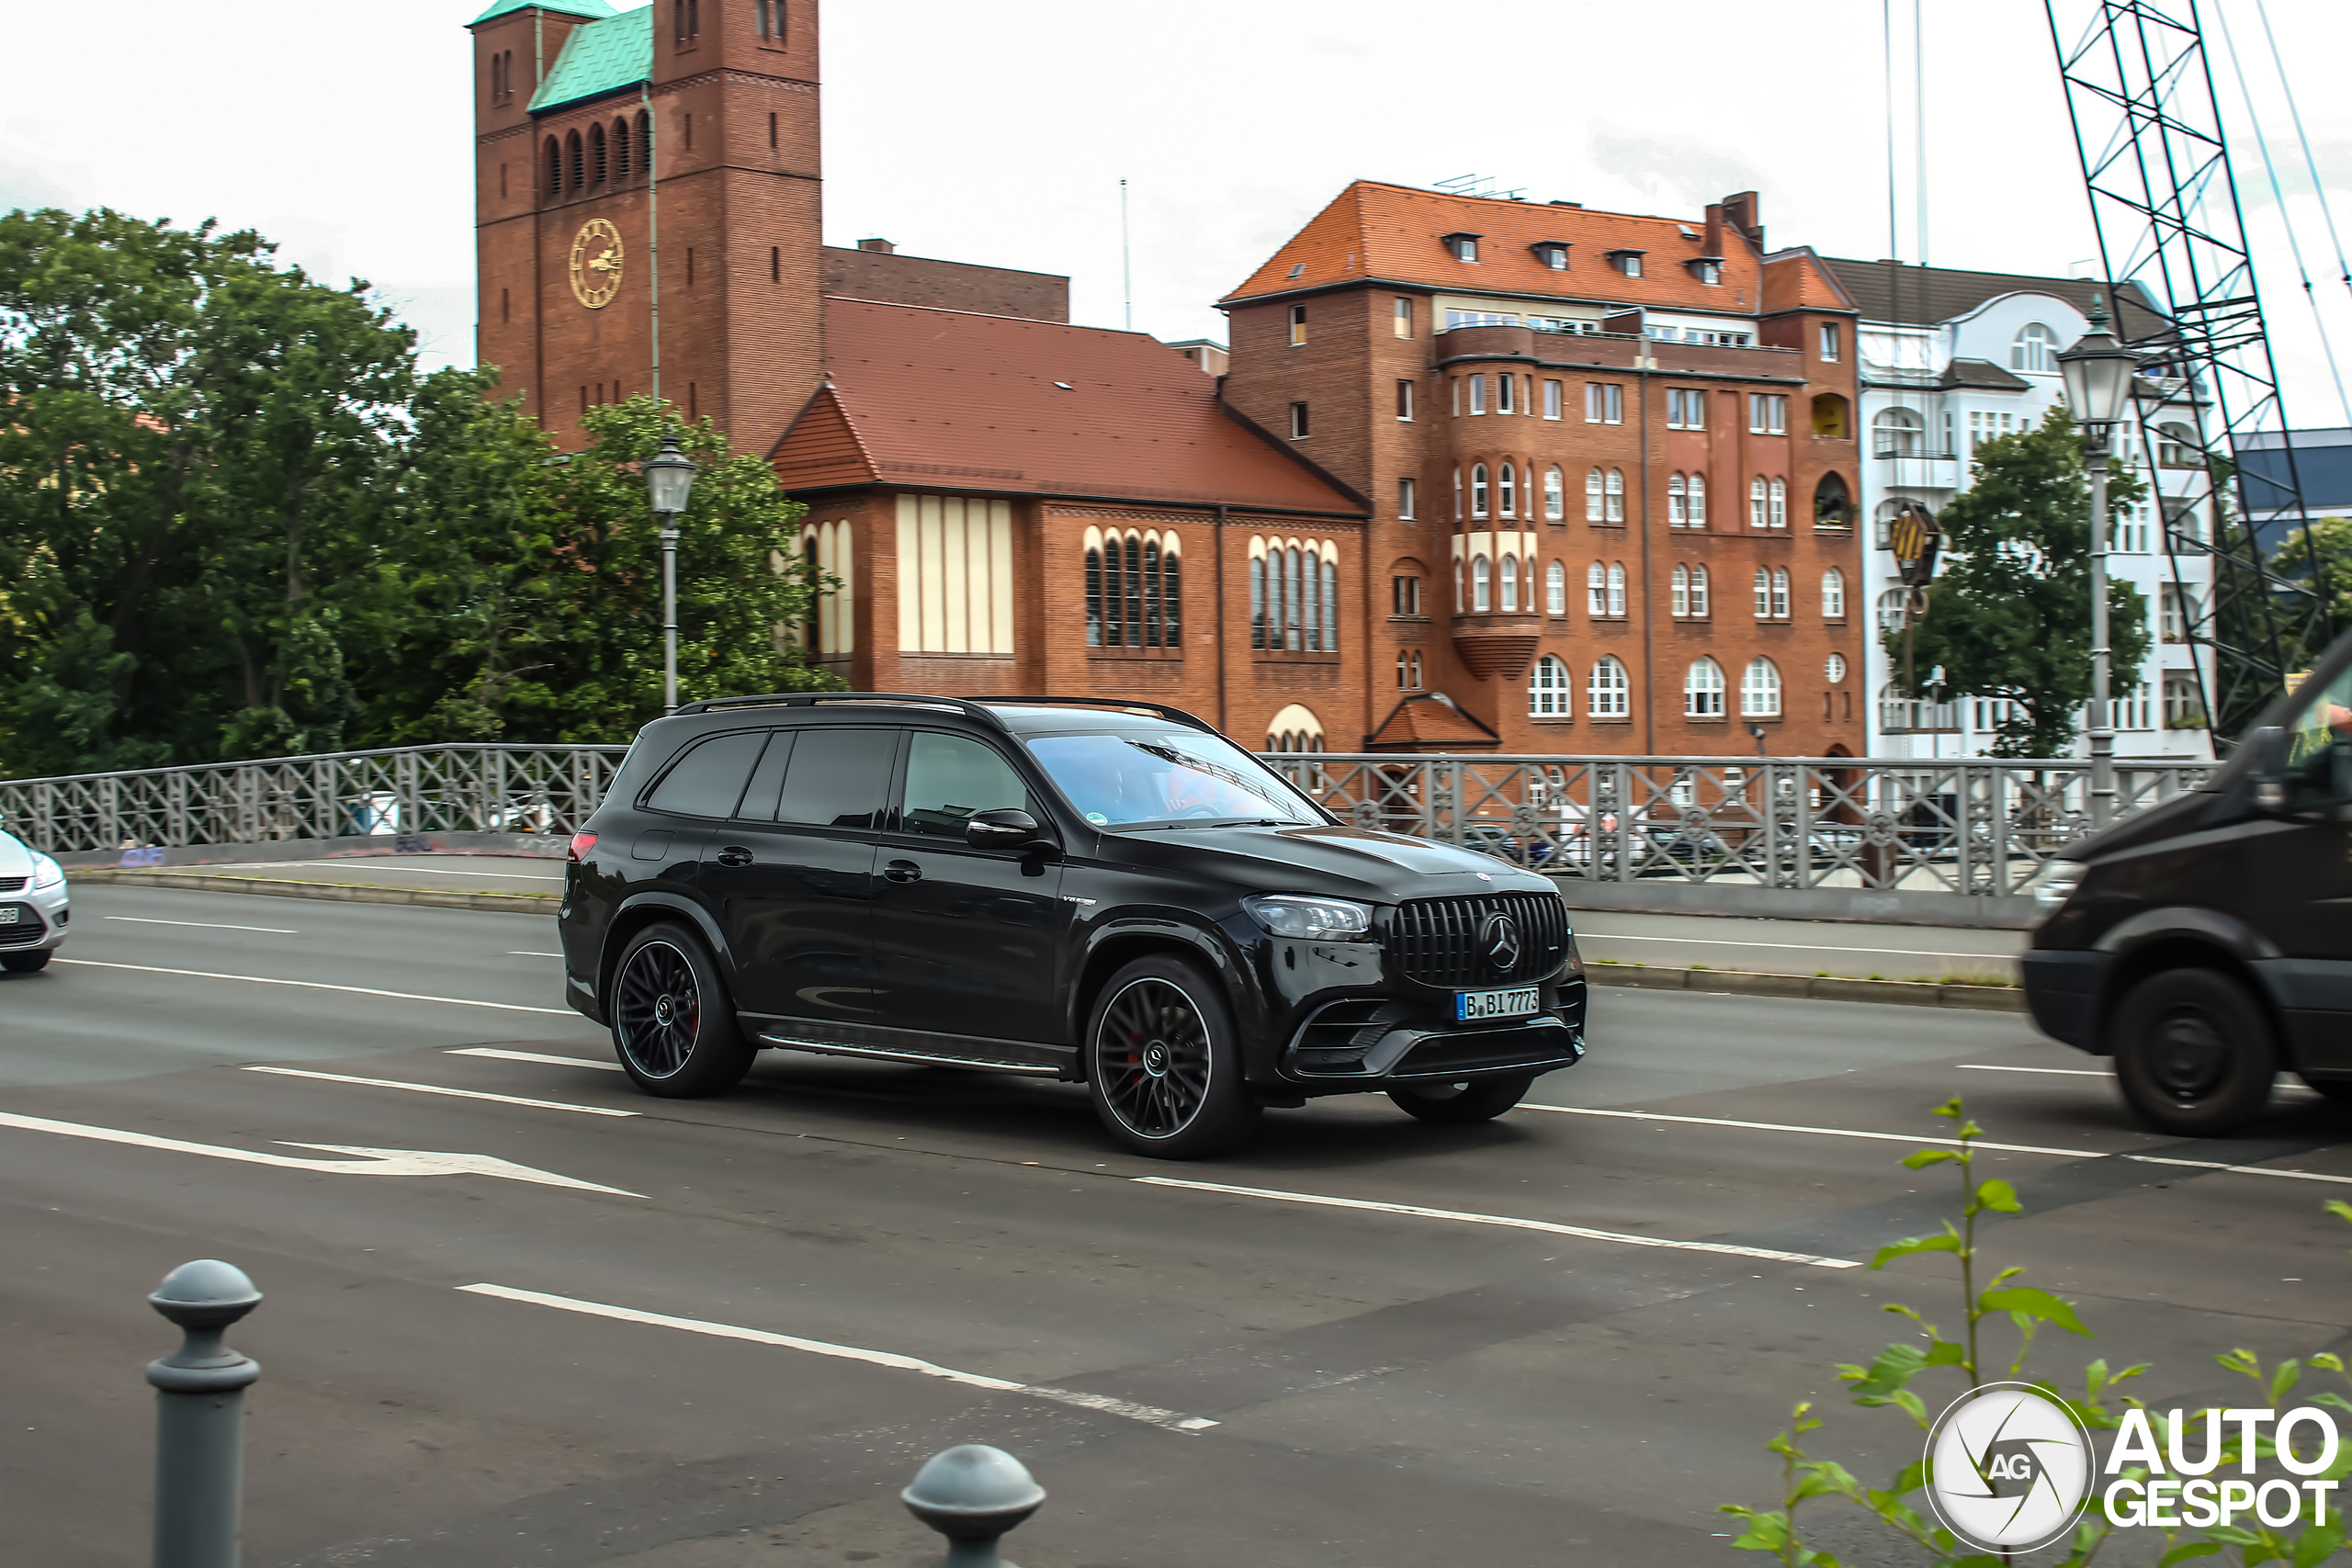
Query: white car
x=32 y=905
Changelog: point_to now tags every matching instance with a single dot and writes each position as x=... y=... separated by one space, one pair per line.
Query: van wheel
x=1163 y=1062
x=1458 y=1104
x=673 y=1026
x=2193 y=1054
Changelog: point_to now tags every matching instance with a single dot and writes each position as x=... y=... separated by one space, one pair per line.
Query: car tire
x=1459 y=1104
x=1163 y=1062
x=673 y=1023
x=2194 y=1054
x=25 y=963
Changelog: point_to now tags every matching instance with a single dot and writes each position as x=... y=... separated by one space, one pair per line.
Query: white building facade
x=1950 y=360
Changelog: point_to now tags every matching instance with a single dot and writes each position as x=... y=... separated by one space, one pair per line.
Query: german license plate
x=1471 y=1006
x=10 y=914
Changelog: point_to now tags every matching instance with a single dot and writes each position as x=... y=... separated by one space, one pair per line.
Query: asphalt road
x=507 y=1327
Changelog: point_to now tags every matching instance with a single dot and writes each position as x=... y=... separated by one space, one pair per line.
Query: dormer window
x=1296 y=269
x=1627 y=262
x=1464 y=247
x=1552 y=253
x=1708 y=269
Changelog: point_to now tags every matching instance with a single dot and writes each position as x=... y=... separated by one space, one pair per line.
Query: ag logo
x=2009 y=1468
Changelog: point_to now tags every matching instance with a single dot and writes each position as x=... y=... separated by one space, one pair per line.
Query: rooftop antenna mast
x=2172 y=236
x=1126 y=259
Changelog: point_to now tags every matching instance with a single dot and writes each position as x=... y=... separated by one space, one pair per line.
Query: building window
x=1510 y=496
x=1898 y=433
x=1833 y=594
x=1595 y=506
x=622 y=167
x=1829 y=343
x=1479 y=491
x=1405 y=402
x=1551 y=254
x=1890 y=610
x=1604 y=403
x=1409 y=670
x=1778 y=503
x=1767 y=413
x=1763 y=594
x=1457 y=495
x=1616 y=495
x=1678 y=502
x=1511 y=585
x=1757 y=504
x=1464 y=246
x=1298 y=422
x=598 y=165
x=1759 y=689
x=1830 y=417
x=2035 y=350
x=1482 y=593
x=1551 y=399
x=1404 y=595
x=575 y=160
x=2136 y=708
x=1596 y=589
x=1702 y=689
x=1405 y=500
x=1695 y=515
x=1607 y=691
x=2184 y=705
x=1478 y=394
x=1403 y=318
x=1293 y=595
x=775 y=264
x=1617 y=588
x=1547 y=689
x=1698 y=593
x=1297 y=324
x=1556 y=589
x=2175 y=611
x=1556 y=495
x=1135 y=591
x=1686 y=408
x=1678 y=592
x=1503 y=384
x=2177 y=448
x=1627 y=262
x=1780 y=593
x=1707 y=270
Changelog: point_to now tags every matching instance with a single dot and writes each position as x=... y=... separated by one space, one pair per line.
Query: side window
x=708 y=780
x=949 y=778
x=837 y=777
x=2319 y=749
x=767 y=780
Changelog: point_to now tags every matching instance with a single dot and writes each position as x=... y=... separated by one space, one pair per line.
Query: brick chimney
x=1740 y=212
x=883 y=247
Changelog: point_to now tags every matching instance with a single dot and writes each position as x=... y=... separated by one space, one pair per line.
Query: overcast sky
x=999 y=133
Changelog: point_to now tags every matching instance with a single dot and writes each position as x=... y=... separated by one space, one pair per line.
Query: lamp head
x=2098 y=372
x=668 y=477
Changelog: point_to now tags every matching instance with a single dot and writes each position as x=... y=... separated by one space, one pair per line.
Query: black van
x=1108 y=893
x=2206 y=944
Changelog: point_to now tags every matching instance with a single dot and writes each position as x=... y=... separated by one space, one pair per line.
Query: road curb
x=508 y=903
x=1814 y=987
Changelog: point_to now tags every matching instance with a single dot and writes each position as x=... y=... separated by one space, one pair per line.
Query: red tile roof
x=1797 y=279
x=1430 y=723
x=1396 y=234
x=952 y=400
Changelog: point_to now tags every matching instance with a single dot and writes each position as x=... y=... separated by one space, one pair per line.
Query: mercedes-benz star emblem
x=1500 y=937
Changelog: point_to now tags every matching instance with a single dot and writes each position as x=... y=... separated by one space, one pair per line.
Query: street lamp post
x=2098 y=372
x=669 y=481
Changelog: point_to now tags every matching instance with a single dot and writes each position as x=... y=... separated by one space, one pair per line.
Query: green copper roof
x=596 y=9
x=599 y=57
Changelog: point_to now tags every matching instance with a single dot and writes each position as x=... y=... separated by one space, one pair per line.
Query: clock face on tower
x=597 y=264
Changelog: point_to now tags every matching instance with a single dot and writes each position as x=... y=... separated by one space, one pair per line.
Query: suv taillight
x=581 y=844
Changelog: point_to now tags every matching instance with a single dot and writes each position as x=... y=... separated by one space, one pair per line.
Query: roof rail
x=980 y=710
x=1175 y=715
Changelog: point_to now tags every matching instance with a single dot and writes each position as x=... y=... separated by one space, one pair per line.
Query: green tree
x=2009 y=614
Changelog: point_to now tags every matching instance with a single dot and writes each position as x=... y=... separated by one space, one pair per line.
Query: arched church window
x=621 y=165
x=555 y=167
x=597 y=153
x=575 y=160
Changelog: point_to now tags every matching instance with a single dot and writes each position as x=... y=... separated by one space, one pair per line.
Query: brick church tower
x=649 y=206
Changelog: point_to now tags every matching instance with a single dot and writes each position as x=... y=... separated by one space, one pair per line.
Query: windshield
x=1126 y=781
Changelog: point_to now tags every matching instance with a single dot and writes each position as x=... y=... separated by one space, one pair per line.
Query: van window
x=949 y=778
x=708 y=780
x=837 y=777
x=2319 y=748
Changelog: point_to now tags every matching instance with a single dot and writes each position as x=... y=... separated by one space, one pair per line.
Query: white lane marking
x=206 y=925
x=1947 y=1143
x=537 y=1057
x=367 y=1162
x=1152 y=1415
x=439 y=1089
x=320 y=985
x=1466 y=1218
x=1585 y=936
x=534 y=955
x=2063 y=1072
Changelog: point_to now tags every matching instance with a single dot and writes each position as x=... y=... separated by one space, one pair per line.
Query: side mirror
x=1005 y=829
x=2270 y=747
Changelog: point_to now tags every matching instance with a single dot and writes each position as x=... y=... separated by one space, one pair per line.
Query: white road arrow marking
x=369 y=1162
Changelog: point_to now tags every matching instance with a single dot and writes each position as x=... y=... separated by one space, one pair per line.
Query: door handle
x=734 y=855
x=903 y=871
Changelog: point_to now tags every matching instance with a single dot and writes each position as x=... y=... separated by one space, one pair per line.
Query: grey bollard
x=973 y=1494
x=200 y=1417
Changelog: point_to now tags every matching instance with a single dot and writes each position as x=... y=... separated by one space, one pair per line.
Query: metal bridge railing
x=1974 y=826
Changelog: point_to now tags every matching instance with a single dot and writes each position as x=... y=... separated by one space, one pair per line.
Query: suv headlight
x=2053 y=884
x=1302 y=915
x=47 y=872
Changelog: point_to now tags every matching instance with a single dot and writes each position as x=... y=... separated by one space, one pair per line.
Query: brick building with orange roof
x=1612 y=463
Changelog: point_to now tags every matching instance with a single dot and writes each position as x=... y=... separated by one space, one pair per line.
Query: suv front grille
x=1441 y=942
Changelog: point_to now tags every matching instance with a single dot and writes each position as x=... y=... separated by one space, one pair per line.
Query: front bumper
x=42 y=915
x=2063 y=991
x=1368 y=1043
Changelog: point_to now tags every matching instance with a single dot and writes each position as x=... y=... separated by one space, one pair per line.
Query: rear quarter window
x=708 y=780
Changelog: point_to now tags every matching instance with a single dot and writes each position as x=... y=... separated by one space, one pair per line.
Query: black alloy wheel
x=1162 y=1064
x=2193 y=1053
x=673 y=1027
x=1459 y=1104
